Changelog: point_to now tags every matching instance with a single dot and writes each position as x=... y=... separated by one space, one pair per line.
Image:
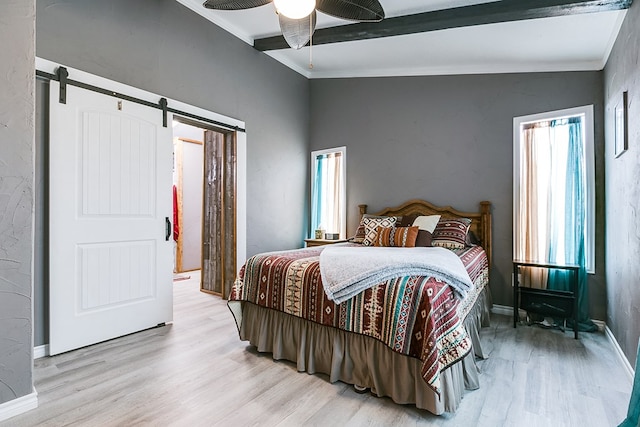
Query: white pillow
x=426 y=223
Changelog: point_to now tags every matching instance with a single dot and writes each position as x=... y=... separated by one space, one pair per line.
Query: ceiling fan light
x=295 y=9
x=297 y=32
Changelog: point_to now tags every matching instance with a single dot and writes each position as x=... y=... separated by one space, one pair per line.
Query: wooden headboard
x=480 y=221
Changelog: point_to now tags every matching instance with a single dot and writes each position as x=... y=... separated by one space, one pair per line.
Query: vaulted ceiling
x=432 y=37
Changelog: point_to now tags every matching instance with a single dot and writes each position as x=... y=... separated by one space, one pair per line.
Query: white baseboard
x=18 y=406
x=600 y=324
x=505 y=310
x=40 y=351
x=623 y=359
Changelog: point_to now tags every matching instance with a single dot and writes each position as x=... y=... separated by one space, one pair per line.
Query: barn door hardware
x=163 y=107
x=62 y=74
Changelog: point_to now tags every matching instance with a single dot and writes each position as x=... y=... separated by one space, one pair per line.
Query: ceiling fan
x=298 y=17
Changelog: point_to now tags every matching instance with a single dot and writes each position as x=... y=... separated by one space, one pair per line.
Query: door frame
x=225 y=256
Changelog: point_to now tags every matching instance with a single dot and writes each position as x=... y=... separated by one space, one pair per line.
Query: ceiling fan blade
x=234 y=4
x=352 y=10
x=297 y=32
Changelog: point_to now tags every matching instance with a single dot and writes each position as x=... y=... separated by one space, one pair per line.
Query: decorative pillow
x=426 y=222
x=392 y=236
x=360 y=231
x=423 y=239
x=406 y=220
x=371 y=224
x=451 y=233
x=472 y=239
x=359 y=236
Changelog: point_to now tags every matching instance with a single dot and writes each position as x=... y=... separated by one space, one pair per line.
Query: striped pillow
x=371 y=224
x=400 y=237
x=451 y=233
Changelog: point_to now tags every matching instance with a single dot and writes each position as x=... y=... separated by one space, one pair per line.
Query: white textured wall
x=17 y=109
x=623 y=189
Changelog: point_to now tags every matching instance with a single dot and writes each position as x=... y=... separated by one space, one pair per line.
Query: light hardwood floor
x=196 y=372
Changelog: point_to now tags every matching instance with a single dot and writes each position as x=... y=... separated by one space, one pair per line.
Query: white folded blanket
x=346 y=270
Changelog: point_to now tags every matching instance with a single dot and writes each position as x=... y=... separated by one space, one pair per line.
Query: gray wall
x=17 y=25
x=163 y=47
x=623 y=189
x=448 y=139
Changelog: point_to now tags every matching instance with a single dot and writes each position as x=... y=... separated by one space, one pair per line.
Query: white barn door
x=109 y=197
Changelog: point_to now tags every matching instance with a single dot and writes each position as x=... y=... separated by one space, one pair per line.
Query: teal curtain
x=633 y=413
x=568 y=224
x=316 y=202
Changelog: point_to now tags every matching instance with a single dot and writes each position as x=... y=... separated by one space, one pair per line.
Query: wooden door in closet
x=219 y=235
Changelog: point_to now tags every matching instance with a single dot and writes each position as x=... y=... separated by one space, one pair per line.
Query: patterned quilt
x=413 y=315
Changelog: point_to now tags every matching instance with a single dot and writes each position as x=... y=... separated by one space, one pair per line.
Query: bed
x=412 y=338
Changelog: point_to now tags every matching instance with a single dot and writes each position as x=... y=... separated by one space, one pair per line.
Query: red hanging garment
x=176 y=227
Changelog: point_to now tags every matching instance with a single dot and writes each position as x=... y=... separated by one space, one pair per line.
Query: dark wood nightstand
x=320 y=242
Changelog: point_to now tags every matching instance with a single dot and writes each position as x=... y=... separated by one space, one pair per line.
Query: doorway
x=188 y=179
x=205 y=204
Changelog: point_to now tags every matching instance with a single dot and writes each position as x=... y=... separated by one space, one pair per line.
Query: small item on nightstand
x=331 y=236
x=319 y=232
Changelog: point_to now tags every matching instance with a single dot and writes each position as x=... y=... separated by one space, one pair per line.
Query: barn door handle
x=167 y=228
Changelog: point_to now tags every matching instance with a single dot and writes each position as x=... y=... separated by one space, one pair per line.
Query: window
x=328 y=194
x=554 y=188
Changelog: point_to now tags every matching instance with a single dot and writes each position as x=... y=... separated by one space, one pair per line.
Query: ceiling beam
x=466 y=16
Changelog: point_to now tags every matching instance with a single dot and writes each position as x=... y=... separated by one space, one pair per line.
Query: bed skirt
x=362 y=360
